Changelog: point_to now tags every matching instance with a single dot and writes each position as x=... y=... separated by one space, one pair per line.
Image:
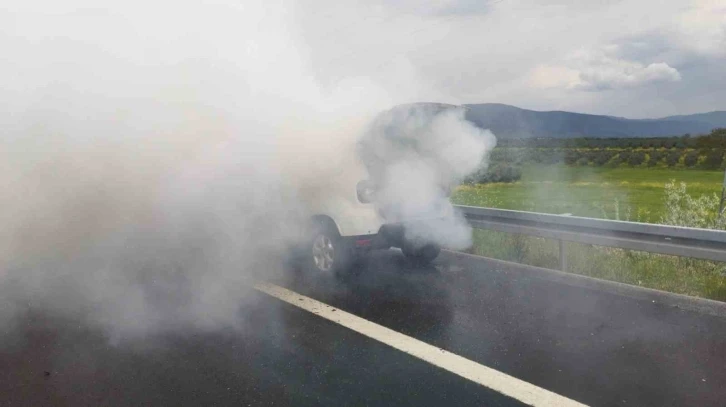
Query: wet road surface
x=589 y=345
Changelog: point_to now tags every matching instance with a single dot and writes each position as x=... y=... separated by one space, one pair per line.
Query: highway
x=586 y=342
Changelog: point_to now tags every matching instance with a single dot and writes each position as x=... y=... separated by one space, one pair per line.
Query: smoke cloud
x=415 y=155
x=154 y=160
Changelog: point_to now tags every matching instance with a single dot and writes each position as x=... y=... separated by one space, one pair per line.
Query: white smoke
x=153 y=159
x=416 y=154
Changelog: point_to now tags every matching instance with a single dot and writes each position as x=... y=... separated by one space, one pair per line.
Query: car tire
x=326 y=252
x=421 y=255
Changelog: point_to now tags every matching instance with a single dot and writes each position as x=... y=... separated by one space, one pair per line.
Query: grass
x=614 y=193
x=699 y=278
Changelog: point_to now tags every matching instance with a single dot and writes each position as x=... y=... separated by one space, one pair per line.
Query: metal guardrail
x=673 y=240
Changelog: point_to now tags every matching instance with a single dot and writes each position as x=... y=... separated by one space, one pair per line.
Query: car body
x=355 y=222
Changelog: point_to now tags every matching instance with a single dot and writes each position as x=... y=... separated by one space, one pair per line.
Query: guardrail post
x=563 y=256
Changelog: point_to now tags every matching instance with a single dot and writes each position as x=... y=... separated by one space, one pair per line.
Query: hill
x=513 y=122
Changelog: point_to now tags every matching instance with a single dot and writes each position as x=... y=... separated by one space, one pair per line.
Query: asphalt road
x=590 y=345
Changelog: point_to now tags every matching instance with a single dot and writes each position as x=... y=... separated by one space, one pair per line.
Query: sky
x=630 y=58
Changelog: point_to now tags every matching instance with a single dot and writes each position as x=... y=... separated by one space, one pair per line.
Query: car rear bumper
x=389 y=235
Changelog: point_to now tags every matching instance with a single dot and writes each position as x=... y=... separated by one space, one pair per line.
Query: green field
x=615 y=193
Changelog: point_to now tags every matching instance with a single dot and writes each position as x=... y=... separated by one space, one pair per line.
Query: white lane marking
x=493 y=379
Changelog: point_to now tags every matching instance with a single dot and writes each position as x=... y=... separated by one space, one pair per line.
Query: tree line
x=702 y=152
x=715 y=139
x=703 y=158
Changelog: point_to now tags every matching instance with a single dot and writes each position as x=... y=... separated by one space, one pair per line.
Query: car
x=354 y=223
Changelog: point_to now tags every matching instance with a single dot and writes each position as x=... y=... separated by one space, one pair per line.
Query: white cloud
x=602 y=70
x=549 y=76
x=623 y=74
x=510 y=51
x=703 y=27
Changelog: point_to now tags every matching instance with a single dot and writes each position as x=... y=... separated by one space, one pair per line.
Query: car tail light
x=363 y=242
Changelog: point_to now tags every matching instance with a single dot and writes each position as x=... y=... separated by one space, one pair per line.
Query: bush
x=495 y=173
x=571 y=157
x=681 y=209
x=713 y=160
x=582 y=162
x=624 y=157
x=602 y=157
x=546 y=156
x=690 y=159
x=673 y=157
x=636 y=158
x=655 y=157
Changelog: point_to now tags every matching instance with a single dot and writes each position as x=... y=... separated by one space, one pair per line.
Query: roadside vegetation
x=684 y=194
x=680 y=275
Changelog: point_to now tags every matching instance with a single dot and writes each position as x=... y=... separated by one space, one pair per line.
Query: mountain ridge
x=507 y=121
